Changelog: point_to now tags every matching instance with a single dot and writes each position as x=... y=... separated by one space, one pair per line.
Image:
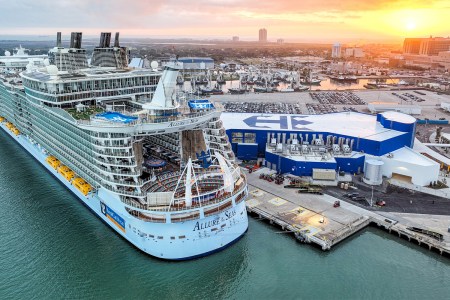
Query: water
x=52 y=247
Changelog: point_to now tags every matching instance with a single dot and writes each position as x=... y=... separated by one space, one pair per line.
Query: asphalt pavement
x=397 y=200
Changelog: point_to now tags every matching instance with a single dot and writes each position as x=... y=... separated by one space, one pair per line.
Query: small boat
x=313 y=81
x=263 y=90
x=287 y=90
x=236 y=91
x=301 y=88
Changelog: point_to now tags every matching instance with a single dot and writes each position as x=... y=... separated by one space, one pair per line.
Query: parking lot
x=430 y=107
x=343 y=98
x=397 y=199
x=265 y=107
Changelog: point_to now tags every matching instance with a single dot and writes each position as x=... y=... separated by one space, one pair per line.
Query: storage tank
x=372 y=172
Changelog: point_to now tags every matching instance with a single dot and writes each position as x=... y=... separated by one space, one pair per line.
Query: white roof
x=407 y=155
x=399 y=117
x=344 y=123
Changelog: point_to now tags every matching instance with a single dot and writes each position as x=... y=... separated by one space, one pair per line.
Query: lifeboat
x=81 y=185
x=53 y=161
x=66 y=172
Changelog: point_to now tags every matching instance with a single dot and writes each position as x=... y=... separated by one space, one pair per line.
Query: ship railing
x=222 y=198
x=143 y=120
x=112 y=154
x=238 y=189
x=101 y=160
x=102 y=145
x=119 y=172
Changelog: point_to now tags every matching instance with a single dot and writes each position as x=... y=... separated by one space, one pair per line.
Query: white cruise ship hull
x=172 y=241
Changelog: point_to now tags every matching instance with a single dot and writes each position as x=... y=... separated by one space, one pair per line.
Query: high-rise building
x=235 y=39
x=263 y=35
x=426 y=46
x=280 y=41
x=336 y=50
x=412 y=45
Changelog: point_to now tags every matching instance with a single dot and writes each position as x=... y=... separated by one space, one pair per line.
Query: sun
x=410 y=25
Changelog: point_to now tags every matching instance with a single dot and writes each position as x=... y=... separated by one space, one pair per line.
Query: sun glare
x=410 y=25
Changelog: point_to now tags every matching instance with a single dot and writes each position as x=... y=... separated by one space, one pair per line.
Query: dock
x=313 y=219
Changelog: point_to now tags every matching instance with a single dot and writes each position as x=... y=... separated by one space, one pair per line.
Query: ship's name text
x=204 y=225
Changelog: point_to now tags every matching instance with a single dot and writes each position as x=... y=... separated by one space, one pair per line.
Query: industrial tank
x=372 y=172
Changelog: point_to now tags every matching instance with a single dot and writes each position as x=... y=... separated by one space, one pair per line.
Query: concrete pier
x=313 y=219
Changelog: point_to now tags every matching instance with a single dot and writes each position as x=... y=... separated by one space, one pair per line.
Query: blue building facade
x=388 y=132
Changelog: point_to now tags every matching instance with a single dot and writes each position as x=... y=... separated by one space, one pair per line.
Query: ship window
x=182 y=237
x=250 y=138
x=236 y=137
x=160 y=237
x=172 y=237
x=151 y=235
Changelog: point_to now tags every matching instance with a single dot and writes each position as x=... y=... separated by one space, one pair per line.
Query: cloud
x=193 y=17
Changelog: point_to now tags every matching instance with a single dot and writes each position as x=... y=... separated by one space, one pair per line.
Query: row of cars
x=341 y=98
x=262 y=107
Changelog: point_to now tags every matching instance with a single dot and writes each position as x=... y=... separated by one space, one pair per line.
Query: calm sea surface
x=52 y=247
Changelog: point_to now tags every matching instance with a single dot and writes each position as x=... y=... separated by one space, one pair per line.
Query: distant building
x=435 y=62
x=336 y=50
x=426 y=46
x=411 y=45
x=263 y=35
x=235 y=39
x=354 y=52
x=280 y=41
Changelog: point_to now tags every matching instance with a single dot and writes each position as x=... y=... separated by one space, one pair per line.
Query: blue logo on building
x=258 y=121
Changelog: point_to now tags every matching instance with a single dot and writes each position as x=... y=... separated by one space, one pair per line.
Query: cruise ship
x=156 y=167
x=19 y=60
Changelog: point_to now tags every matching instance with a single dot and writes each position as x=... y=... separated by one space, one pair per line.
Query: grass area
x=86 y=114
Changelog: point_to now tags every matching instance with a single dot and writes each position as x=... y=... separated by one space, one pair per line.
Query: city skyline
x=315 y=21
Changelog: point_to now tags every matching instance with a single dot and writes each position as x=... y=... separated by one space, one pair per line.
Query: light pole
x=371 y=198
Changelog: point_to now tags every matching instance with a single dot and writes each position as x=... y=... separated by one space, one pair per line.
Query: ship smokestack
x=58 y=39
x=75 y=40
x=105 y=40
x=116 y=40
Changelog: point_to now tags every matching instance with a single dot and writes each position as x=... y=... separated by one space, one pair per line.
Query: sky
x=357 y=21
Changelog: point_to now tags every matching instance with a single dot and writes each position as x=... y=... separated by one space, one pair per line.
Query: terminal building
x=300 y=144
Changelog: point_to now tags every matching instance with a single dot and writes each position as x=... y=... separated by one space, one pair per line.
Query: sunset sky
x=293 y=20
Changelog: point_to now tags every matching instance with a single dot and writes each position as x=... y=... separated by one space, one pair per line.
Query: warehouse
x=298 y=144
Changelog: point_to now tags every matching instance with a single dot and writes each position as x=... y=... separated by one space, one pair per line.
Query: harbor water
x=52 y=247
